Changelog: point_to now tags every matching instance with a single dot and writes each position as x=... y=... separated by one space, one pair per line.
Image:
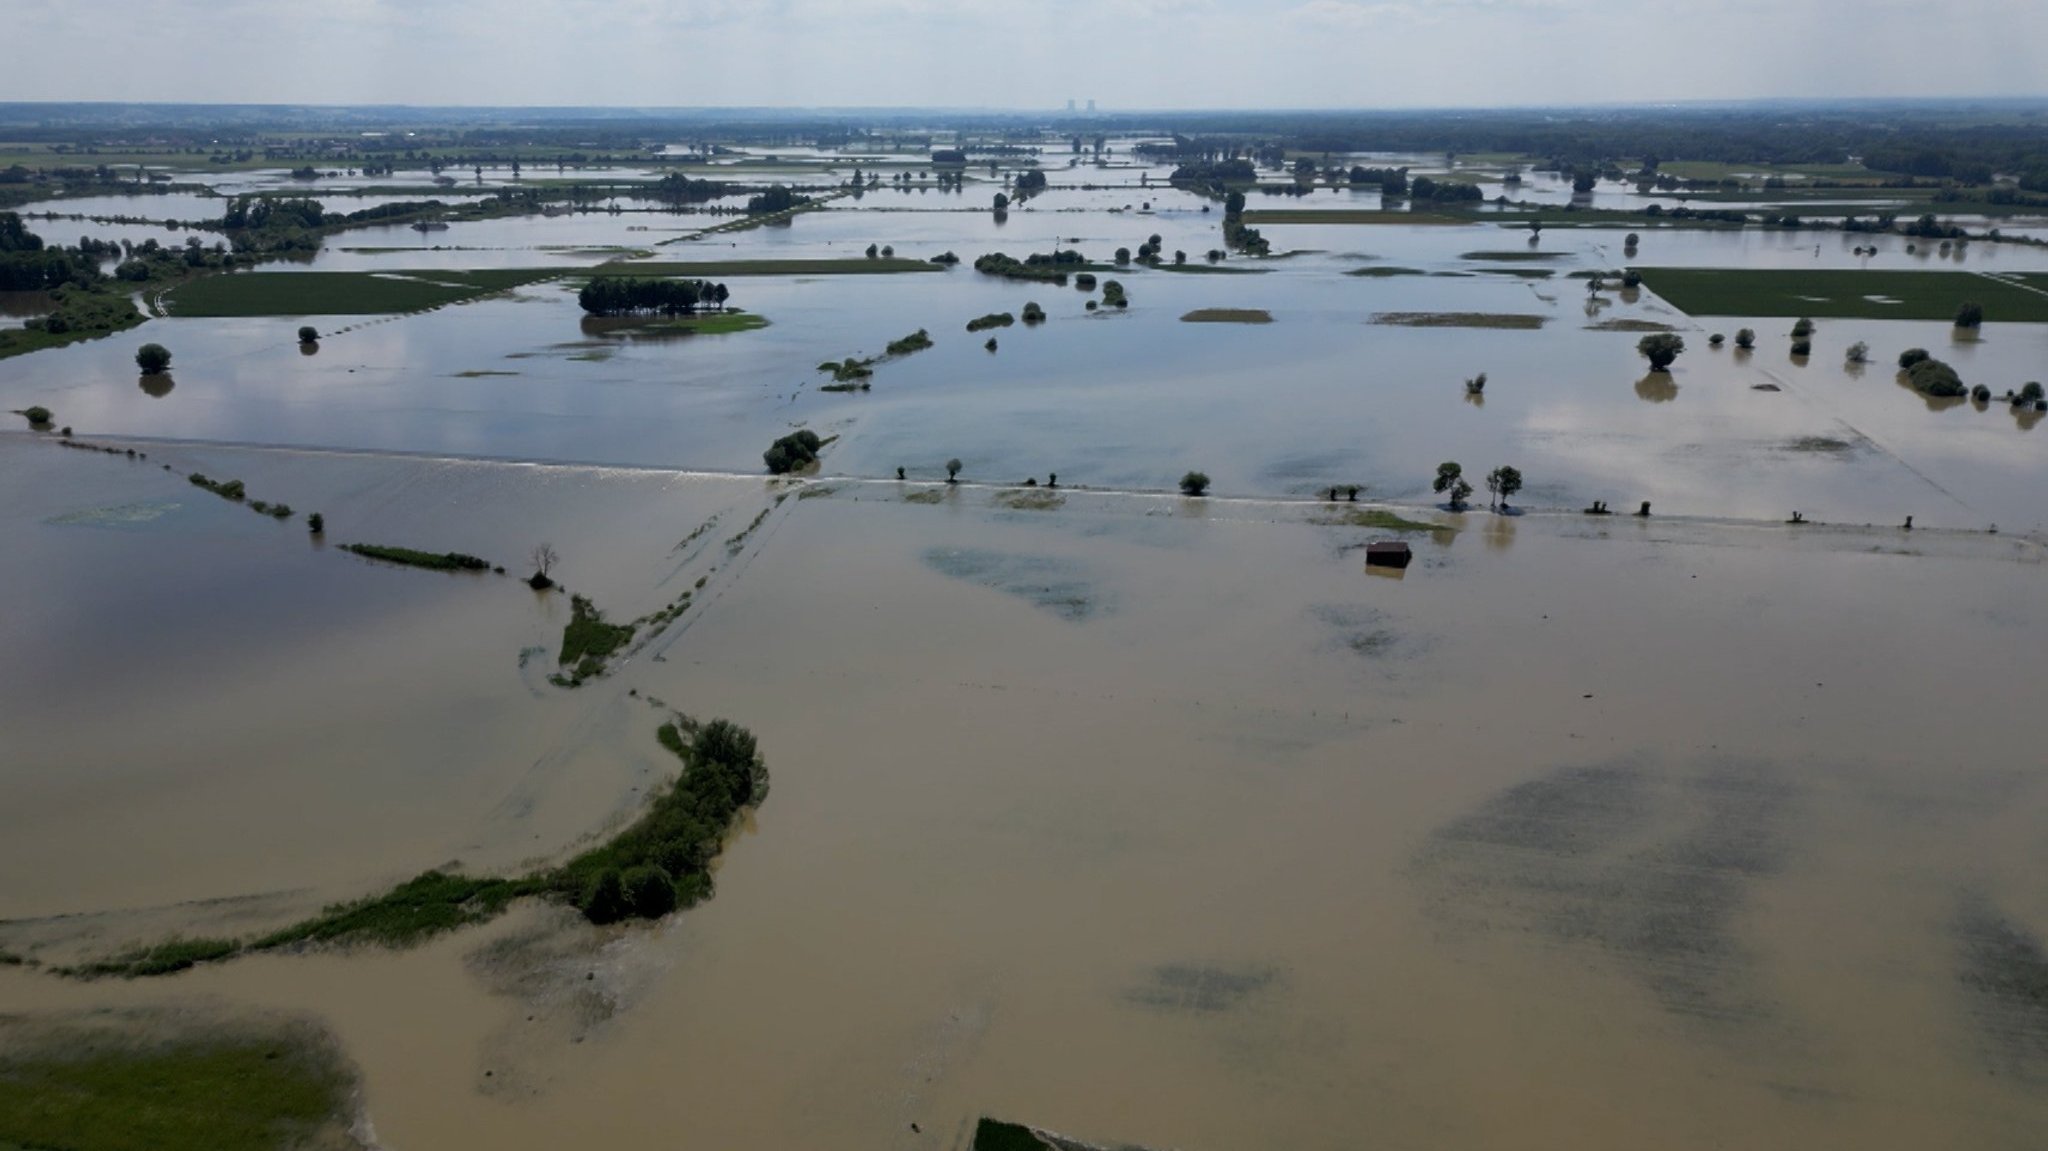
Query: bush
x=1802 y=329
x=316 y=523
x=37 y=415
x=1745 y=339
x=1085 y=281
x=992 y=320
x=153 y=359
x=309 y=334
x=1194 y=484
x=2031 y=394
x=1981 y=394
x=1631 y=279
x=1660 y=348
x=795 y=450
x=1931 y=377
x=1716 y=340
x=1859 y=353
x=1033 y=314
x=1970 y=316
x=1912 y=356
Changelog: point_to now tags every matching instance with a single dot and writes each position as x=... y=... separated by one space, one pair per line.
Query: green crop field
x=1843 y=294
x=339 y=293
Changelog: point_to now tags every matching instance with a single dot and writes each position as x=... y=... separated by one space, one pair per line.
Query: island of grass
x=1860 y=294
x=659 y=863
x=1379 y=519
x=114 y=1082
x=587 y=640
x=1511 y=256
x=992 y=320
x=1228 y=316
x=1384 y=272
x=339 y=293
x=432 y=561
x=1038 y=266
x=1506 y=320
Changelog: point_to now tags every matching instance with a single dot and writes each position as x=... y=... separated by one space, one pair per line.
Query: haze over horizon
x=1123 y=54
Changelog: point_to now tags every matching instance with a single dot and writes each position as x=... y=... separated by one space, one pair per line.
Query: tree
x=1450 y=478
x=1912 y=356
x=1503 y=482
x=316 y=523
x=1002 y=203
x=650 y=893
x=873 y=251
x=2031 y=393
x=953 y=470
x=1584 y=182
x=1970 y=316
x=1477 y=384
x=1123 y=255
x=1931 y=377
x=153 y=359
x=544 y=559
x=1745 y=339
x=1716 y=340
x=1194 y=484
x=1802 y=329
x=309 y=334
x=1859 y=353
x=1661 y=348
x=606 y=900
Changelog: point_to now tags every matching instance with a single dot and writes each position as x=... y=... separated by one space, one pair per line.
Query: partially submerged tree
x=308 y=334
x=1476 y=385
x=1450 y=479
x=1912 y=356
x=953 y=470
x=1970 y=316
x=1503 y=482
x=1661 y=348
x=153 y=359
x=1745 y=338
x=1194 y=483
x=544 y=559
x=1858 y=353
x=1802 y=329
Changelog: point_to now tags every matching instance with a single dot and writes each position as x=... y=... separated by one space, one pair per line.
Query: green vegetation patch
x=1383 y=272
x=587 y=634
x=338 y=293
x=995 y=1135
x=1511 y=256
x=76 y=314
x=1228 y=316
x=1379 y=519
x=96 y=1089
x=1508 y=320
x=1629 y=325
x=821 y=267
x=417 y=909
x=1842 y=293
x=433 y=561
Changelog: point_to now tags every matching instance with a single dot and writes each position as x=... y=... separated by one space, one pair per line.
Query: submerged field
x=1109 y=809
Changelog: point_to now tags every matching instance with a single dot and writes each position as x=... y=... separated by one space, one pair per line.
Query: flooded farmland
x=1139 y=817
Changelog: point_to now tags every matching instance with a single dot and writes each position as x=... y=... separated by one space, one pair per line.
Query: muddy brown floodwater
x=1135 y=817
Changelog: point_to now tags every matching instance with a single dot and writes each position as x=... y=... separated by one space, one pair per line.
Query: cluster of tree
x=1214 y=176
x=632 y=295
x=1425 y=190
x=675 y=189
x=796 y=450
x=1051 y=269
x=1391 y=181
x=27 y=265
x=663 y=860
x=1235 y=233
x=777 y=198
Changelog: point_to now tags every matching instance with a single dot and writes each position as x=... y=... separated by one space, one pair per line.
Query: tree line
x=638 y=295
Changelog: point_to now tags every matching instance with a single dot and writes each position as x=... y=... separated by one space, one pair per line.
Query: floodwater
x=1137 y=817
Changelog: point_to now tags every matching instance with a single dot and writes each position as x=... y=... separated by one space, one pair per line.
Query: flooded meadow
x=1136 y=816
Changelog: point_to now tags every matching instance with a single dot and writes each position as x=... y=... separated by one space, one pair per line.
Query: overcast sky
x=1020 y=53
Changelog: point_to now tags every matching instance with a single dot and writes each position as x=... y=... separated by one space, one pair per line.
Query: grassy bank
x=95 y=1088
x=433 y=561
x=1842 y=294
x=657 y=864
x=87 y=314
x=1228 y=316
